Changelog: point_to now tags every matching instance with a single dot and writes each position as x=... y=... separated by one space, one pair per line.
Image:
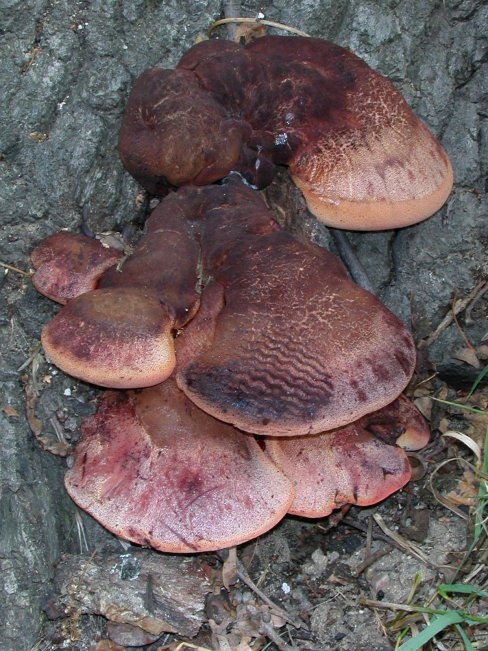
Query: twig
x=351 y=260
x=468 y=318
x=370 y=559
x=58 y=430
x=5 y=265
x=232 y=9
x=457 y=307
x=388 y=605
x=369 y=536
x=364 y=529
x=189 y=645
x=390 y=540
x=30 y=358
x=267 y=629
x=245 y=578
x=406 y=545
x=459 y=329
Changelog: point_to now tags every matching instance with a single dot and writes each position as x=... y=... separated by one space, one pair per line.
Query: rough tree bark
x=66 y=69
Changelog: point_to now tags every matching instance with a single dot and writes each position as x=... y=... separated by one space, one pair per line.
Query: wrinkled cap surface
x=165 y=139
x=155 y=470
x=283 y=343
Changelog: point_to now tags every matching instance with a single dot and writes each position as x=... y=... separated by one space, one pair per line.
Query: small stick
x=371 y=558
x=5 y=265
x=406 y=545
x=58 y=430
x=30 y=358
x=351 y=260
x=369 y=536
x=245 y=578
x=459 y=329
x=232 y=9
x=388 y=605
x=458 y=307
x=364 y=529
x=468 y=318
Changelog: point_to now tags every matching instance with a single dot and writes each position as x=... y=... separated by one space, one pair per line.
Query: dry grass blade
x=389 y=605
x=11 y=267
x=30 y=359
x=255 y=21
x=467 y=440
x=479 y=473
x=442 y=500
x=405 y=544
x=80 y=530
x=188 y=645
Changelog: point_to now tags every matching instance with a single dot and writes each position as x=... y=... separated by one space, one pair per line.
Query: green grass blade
x=460 y=405
x=437 y=625
x=479 y=378
x=467 y=644
x=445 y=588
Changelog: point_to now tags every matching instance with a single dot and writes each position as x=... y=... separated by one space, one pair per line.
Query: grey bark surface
x=65 y=70
x=157 y=594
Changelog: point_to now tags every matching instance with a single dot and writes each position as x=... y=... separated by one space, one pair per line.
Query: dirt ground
x=66 y=70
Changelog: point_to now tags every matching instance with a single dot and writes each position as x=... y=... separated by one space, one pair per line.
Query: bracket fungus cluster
x=246 y=332
x=248 y=376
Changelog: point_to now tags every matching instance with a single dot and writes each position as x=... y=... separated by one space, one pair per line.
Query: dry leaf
x=10 y=411
x=466 y=491
x=424 y=405
x=50 y=443
x=107 y=645
x=229 y=569
x=467 y=355
x=247 y=32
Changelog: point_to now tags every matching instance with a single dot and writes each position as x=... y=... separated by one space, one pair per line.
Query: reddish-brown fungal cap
x=154 y=469
x=119 y=338
x=283 y=343
x=372 y=165
x=354 y=147
x=350 y=465
x=68 y=265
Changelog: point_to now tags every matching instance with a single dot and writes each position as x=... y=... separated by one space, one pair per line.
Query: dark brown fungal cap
x=284 y=344
x=361 y=157
x=165 y=262
x=68 y=265
x=154 y=469
x=161 y=116
x=118 y=338
x=350 y=465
